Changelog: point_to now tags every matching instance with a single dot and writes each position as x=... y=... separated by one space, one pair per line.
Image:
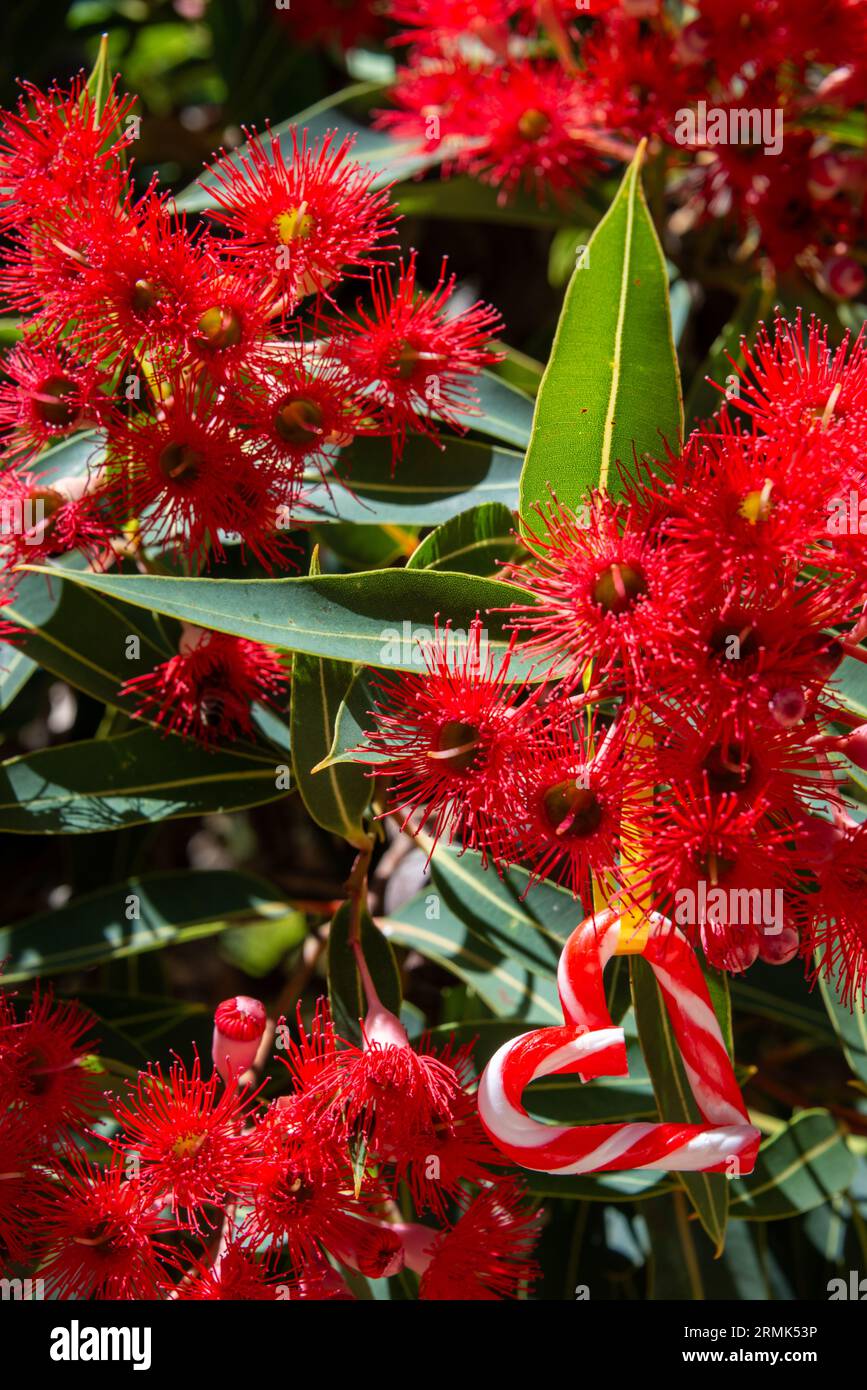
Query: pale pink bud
x=384 y=1028
x=418 y=1243
x=238 y=1027
x=192 y=638
x=380 y=1025
x=788 y=706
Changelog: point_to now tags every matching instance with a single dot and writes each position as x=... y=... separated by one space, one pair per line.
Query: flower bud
x=843 y=277
x=730 y=949
x=192 y=638
x=780 y=947
x=417 y=1243
x=826 y=176
x=817 y=838
x=788 y=706
x=238 y=1027
x=373 y=1248
x=384 y=1028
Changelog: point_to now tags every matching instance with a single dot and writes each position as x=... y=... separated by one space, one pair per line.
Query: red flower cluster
x=212 y=358
x=537 y=95
x=207 y=691
x=210 y=1193
x=682 y=752
x=47 y=1094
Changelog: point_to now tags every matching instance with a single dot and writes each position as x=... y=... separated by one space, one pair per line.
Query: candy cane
x=589 y=1045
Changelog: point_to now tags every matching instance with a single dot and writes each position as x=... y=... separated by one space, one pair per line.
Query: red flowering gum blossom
x=597 y=586
x=102 y=1234
x=576 y=798
x=298 y=220
x=414 y=357
x=44 y=1078
x=142 y=287
x=240 y=1274
x=188 y=1135
x=519 y=125
x=485 y=1256
x=434 y=25
x=791 y=387
x=447 y=739
x=23 y=1182
x=58 y=146
x=836 y=935
x=46 y=516
x=46 y=396
x=239 y=1024
x=293 y=414
x=206 y=692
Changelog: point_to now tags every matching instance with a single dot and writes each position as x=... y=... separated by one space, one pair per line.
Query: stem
x=552 y=22
x=356 y=892
x=681 y=1216
x=854 y=650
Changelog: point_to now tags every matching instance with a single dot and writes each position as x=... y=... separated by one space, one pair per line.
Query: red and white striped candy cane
x=589 y=1045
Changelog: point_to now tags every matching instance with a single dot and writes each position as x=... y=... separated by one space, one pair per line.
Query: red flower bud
x=779 y=949
x=238 y=1027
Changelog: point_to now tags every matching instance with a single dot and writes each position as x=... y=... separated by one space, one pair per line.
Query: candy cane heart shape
x=588 y=1045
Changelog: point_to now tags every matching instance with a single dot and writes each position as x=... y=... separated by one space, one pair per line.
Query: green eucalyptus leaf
x=631 y=1185
x=503 y=413
x=466 y=199
x=511 y=980
x=144 y=776
x=478 y=541
x=348 y=1004
x=612 y=383
x=15 y=671
x=851 y=683
x=257 y=948
x=83 y=636
x=372 y=617
x=800 y=1168
x=142 y=914
x=850 y=1025
x=429 y=486
x=708 y=1192
x=336 y=797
